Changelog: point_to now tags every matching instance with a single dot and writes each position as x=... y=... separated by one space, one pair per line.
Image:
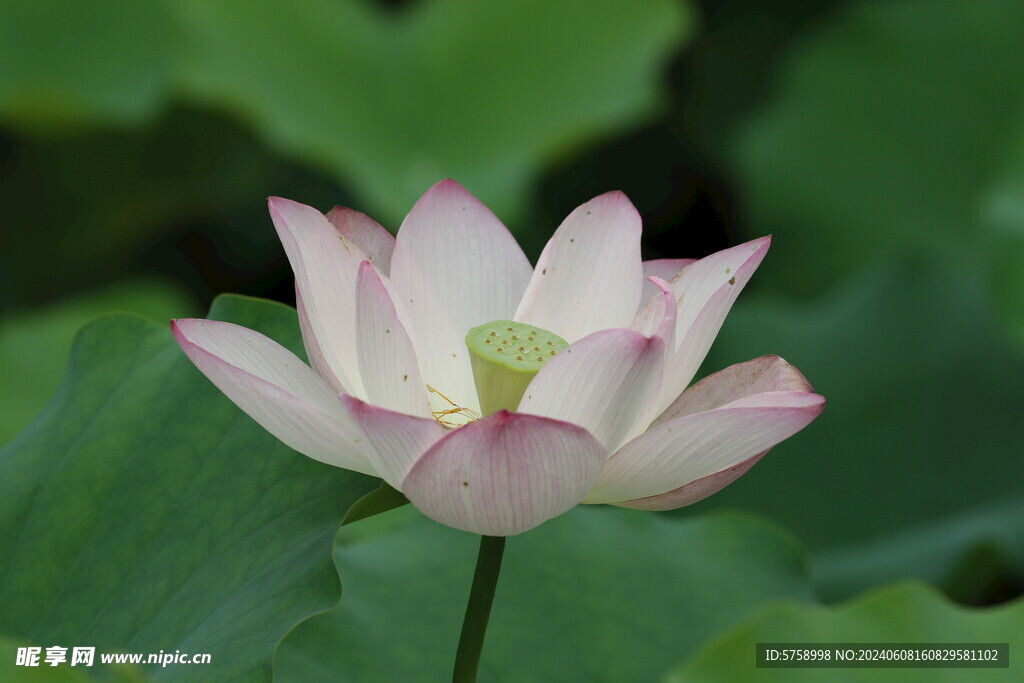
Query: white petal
x=589 y=276
x=326 y=265
x=705 y=291
x=313 y=352
x=455 y=266
x=275 y=388
x=604 y=383
x=376 y=243
x=396 y=440
x=387 y=360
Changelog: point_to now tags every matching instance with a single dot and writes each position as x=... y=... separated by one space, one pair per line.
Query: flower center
x=505 y=356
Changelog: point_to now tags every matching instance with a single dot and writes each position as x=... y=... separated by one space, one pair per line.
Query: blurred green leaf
x=34 y=343
x=974 y=554
x=392 y=101
x=1003 y=210
x=596 y=594
x=885 y=132
x=67 y=63
x=909 y=613
x=922 y=422
x=142 y=511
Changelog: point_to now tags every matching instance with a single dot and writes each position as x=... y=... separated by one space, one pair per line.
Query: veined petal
x=604 y=382
x=455 y=266
x=695 y=491
x=313 y=352
x=326 y=265
x=705 y=291
x=752 y=377
x=738 y=414
x=396 y=440
x=376 y=243
x=387 y=360
x=664 y=268
x=589 y=276
x=504 y=474
x=275 y=388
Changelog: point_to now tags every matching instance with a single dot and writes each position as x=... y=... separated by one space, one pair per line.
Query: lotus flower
x=602 y=415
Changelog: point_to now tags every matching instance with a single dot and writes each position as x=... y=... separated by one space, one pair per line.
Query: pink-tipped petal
x=376 y=243
x=396 y=440
x=505 y=474
x=387 y=360
x=695 y=491
x=694 y=446
x=604 y=382
x=589 y=276
x=313 y=352
x=752 y=377
x=325 y=265
x=705 y=291
x=664 y=268
x=764 y=375
x=455 y=266
x=275 y=388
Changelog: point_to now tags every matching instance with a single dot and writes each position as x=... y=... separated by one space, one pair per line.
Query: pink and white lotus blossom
x=607 y=419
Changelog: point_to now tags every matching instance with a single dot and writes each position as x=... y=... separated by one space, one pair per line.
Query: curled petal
x=275 y=388
x=722 y=423
x=589 y=276
x=455 y=266
x=658 y=317
x=757 y=376
x=376 y=243
x=663 y=268
x=705 y=291
x=505 y=474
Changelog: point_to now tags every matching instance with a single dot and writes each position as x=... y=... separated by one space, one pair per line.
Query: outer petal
x=396 y=440
x=752 y=377
x=727 y=419
x=387 y=360
x=455 y=266
x=275 y=388
x=705 y=291
x=505 y=474
x=664 y=268
x=589 y=276
x=767 y=373
x=325 y=265
x=376 y=243
x=695 y=491
x=604 y=382
x=693 y=446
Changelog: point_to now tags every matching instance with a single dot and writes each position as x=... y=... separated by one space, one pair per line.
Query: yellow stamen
x=456 y=409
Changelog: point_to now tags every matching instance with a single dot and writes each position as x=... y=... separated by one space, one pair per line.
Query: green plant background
x=881 y=143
